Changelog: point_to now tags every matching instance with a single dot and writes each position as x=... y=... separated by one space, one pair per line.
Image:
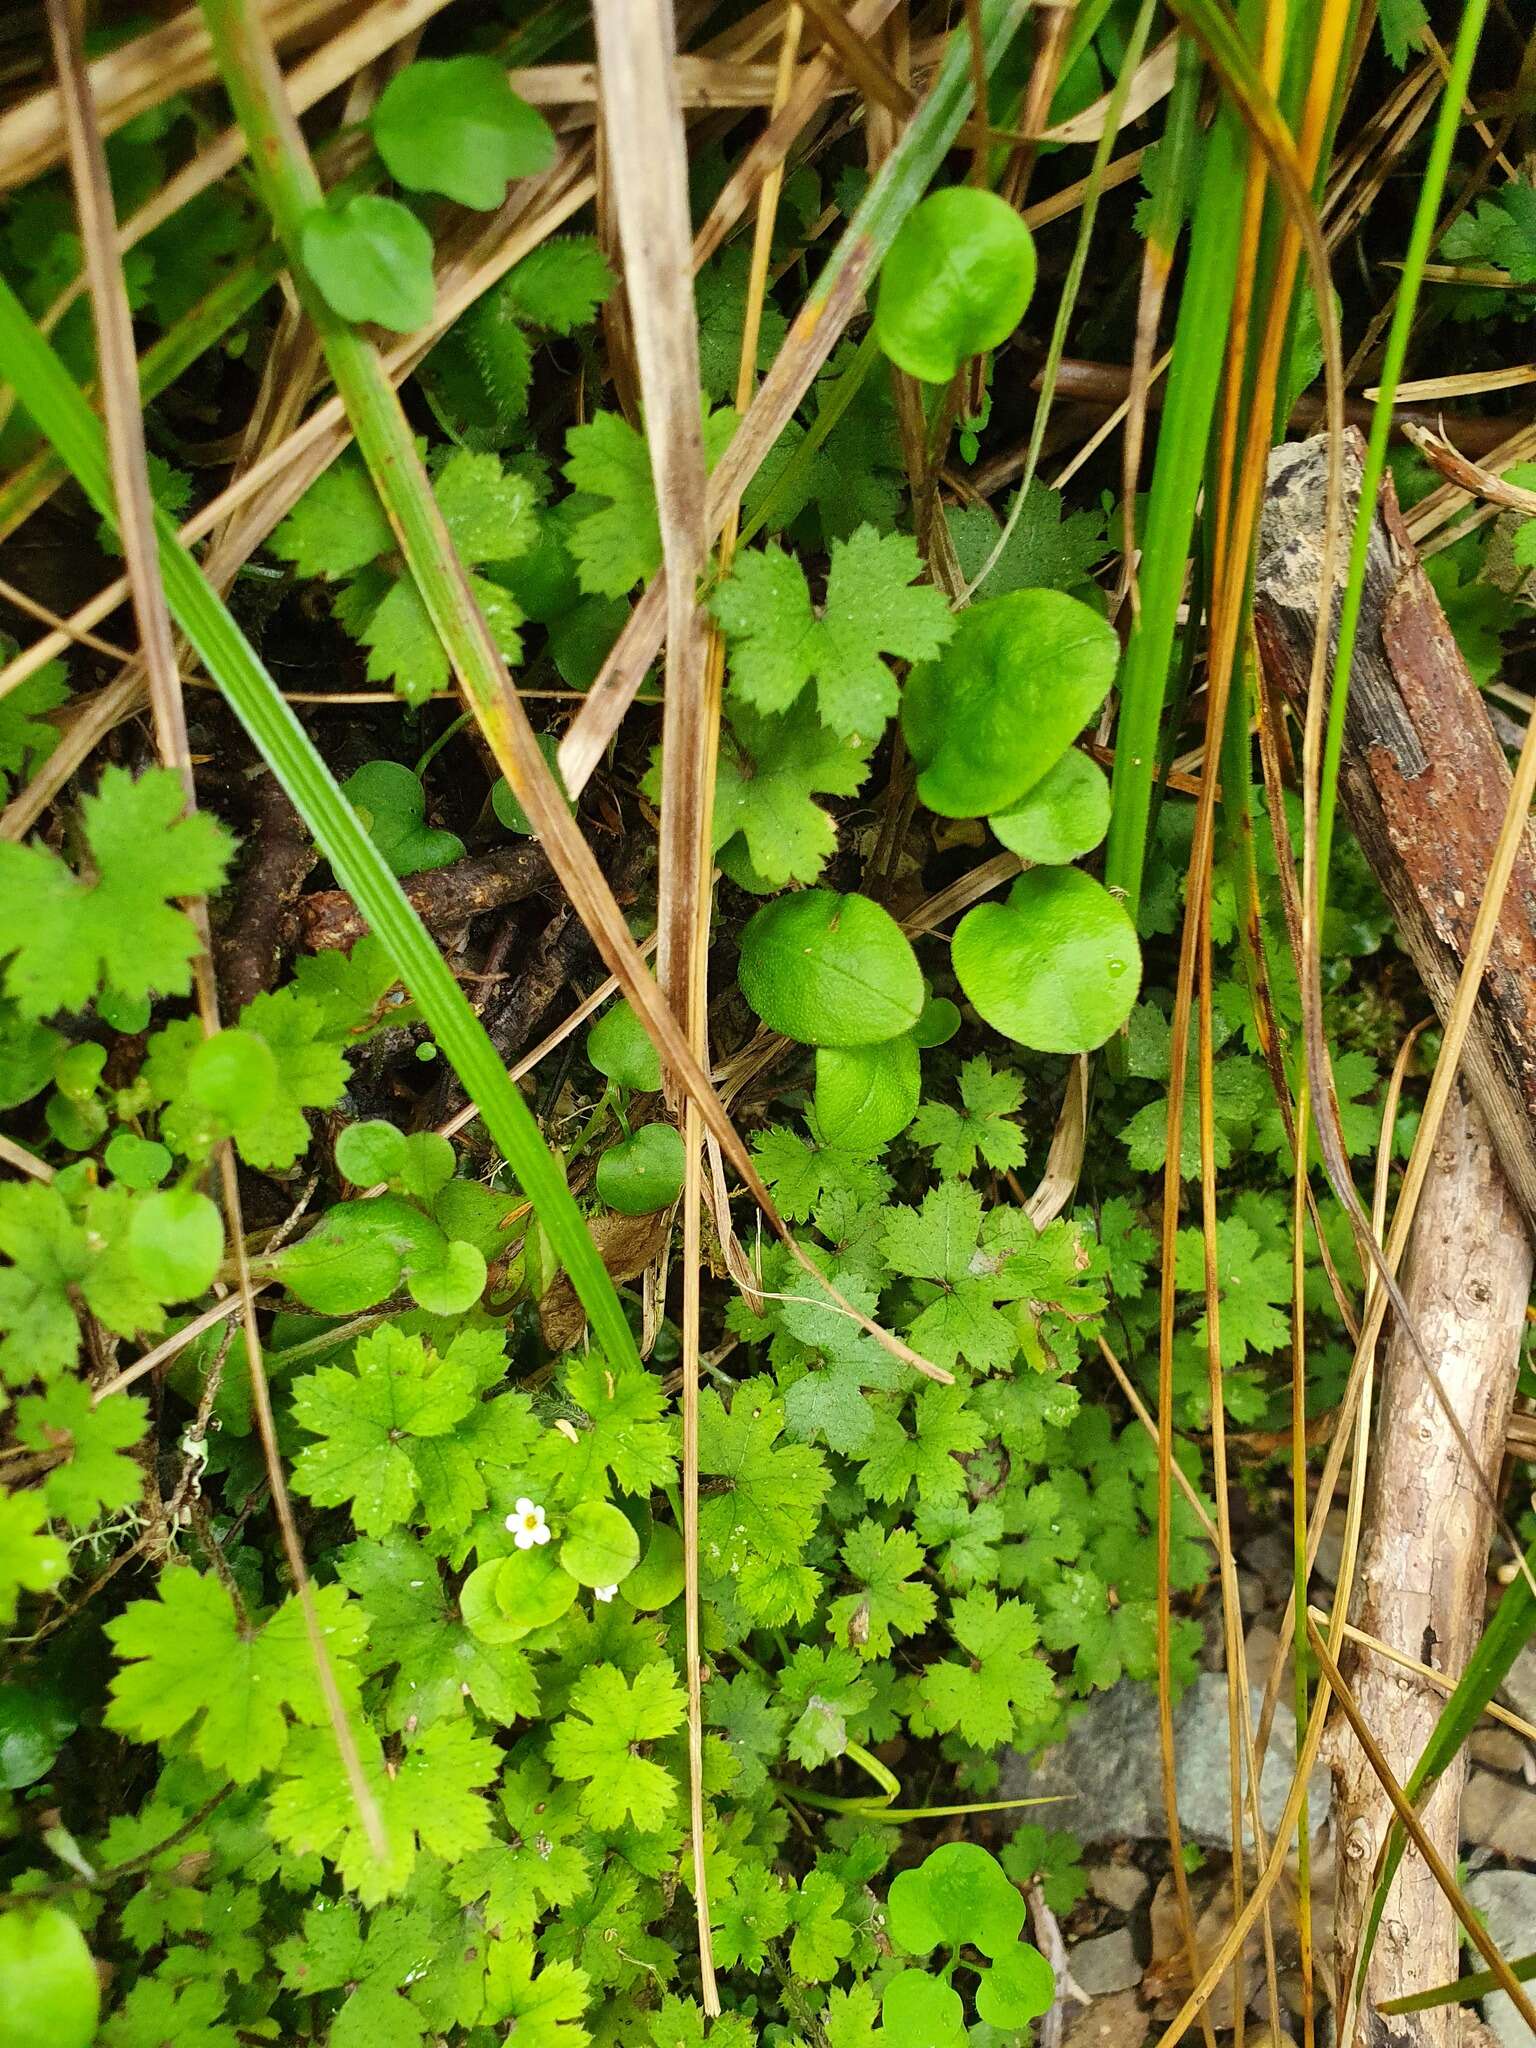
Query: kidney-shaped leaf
x=642 y=1174
x=454 y=125
x=920 y=2011
x=960 y=1894
x=1056 y=967
x=866 y=1094
x=1064 y=816
x=532 y=1589
x=830 y=970
x=956 y=282
x=52 y=1991
x=372 y=258
x=1019 y=1987
x=619 y=1046
x=600 y=1546
x=1015 y=686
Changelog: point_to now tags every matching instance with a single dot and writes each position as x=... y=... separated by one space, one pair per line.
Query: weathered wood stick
x=444 y=898
x=1423 y=1560
x=1424 y=784
x=1424 y=781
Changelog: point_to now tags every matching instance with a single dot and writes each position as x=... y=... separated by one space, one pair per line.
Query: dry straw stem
x=647 y=162
x=125 y=81
x=648 y=172
x=135 y=522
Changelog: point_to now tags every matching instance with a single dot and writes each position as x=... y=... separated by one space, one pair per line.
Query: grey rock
x=1107 y=1963
x=1108 y=1767
x=1500 y=1817
x=1501 y=1749
x=1520 y=1685
x=1120 y=1885
x=1507 y=1901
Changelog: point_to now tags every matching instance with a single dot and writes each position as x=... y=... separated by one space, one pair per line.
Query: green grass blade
x=1463 y=1991
x=160 y=365
x=55 y=402
x=1178 y=471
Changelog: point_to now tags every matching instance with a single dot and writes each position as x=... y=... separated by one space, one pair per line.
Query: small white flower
x=527 y=1524
x=604 y=1593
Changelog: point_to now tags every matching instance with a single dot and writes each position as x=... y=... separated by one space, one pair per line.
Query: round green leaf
x=369 y=1152
x=454 y=125
x=958 y=1894
x=449 y=1281
x=657 y=1579
x=1056 y=967
x=392 y=805
x=866 y=1094
x=642 y=1173
x=481 y=1609
x=1015 y=685
x=51 y=1992
x=177 y=1241
x=600 y=1546
x=372 y=260
x=920 y=2011
x=355 y=1254
x=137 y=1162
x=1018 y=1988
x=234 y=1075
x=619 y=1046
x=532 y=1589
x=937 y=1025
x=33 y=1728
x=956 y=281
x=1063 y=817
x=830 y=970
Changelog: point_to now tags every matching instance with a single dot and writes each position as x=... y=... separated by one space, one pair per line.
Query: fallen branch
x=1426 y=786
x=443 y=898
x=1424 y=1556
x=1424 y=783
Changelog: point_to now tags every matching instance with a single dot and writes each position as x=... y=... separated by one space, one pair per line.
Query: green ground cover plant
x=448 y=1785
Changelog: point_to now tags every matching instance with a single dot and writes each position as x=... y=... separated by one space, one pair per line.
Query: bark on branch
x=1424 y=780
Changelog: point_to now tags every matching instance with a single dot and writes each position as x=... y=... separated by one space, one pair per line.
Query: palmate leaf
x=68 y=937
x=94 y=1476
x=597 y=1744
x=31 y=1560
x=46 y=389
x=873 y=609
x=27 y=737
x=429 y=1798
x=889 y=1600
x=771 y=769
x=188 y=1660
x=982 y=1127
x=618 y=544
x=767 y=1510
